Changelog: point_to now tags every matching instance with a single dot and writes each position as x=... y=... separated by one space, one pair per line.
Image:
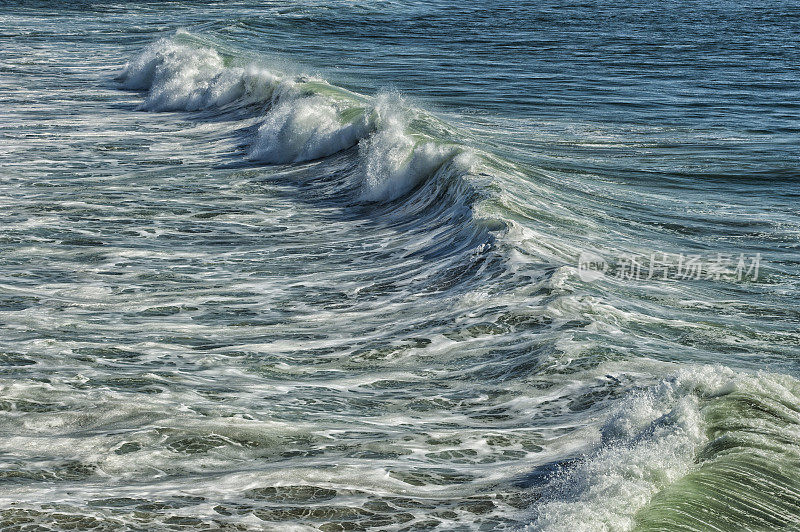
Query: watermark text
x=724 y=267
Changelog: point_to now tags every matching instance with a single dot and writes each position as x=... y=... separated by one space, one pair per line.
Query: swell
x=747 y=474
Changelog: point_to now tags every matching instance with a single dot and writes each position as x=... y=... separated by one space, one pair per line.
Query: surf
x=301 y=118
x=697 y=449
x=707 y=448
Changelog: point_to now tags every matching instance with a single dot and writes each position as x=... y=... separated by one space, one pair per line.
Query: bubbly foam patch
x=648 y=443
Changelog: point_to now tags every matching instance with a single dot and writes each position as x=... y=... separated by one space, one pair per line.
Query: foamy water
x=318 y=267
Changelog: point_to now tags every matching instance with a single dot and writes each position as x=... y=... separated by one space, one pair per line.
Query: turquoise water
x=338 y=265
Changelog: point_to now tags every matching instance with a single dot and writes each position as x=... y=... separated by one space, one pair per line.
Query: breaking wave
x=301 y=118
x=706 y=449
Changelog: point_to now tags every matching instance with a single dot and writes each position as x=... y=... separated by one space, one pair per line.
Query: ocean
x=400 y=265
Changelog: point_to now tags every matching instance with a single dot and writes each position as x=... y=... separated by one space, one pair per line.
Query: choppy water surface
x=317 y=265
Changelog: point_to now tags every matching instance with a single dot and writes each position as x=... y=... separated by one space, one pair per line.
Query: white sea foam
x=393 y=161
x=648 y=443
x=183 y=78
x=304 y=129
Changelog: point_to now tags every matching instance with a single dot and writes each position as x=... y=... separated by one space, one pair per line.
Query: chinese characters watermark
x=727 y=267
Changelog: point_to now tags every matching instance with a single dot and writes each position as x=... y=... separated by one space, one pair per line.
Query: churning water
x=318 y=266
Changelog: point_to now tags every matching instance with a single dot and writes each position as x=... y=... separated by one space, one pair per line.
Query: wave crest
x=302 y=118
